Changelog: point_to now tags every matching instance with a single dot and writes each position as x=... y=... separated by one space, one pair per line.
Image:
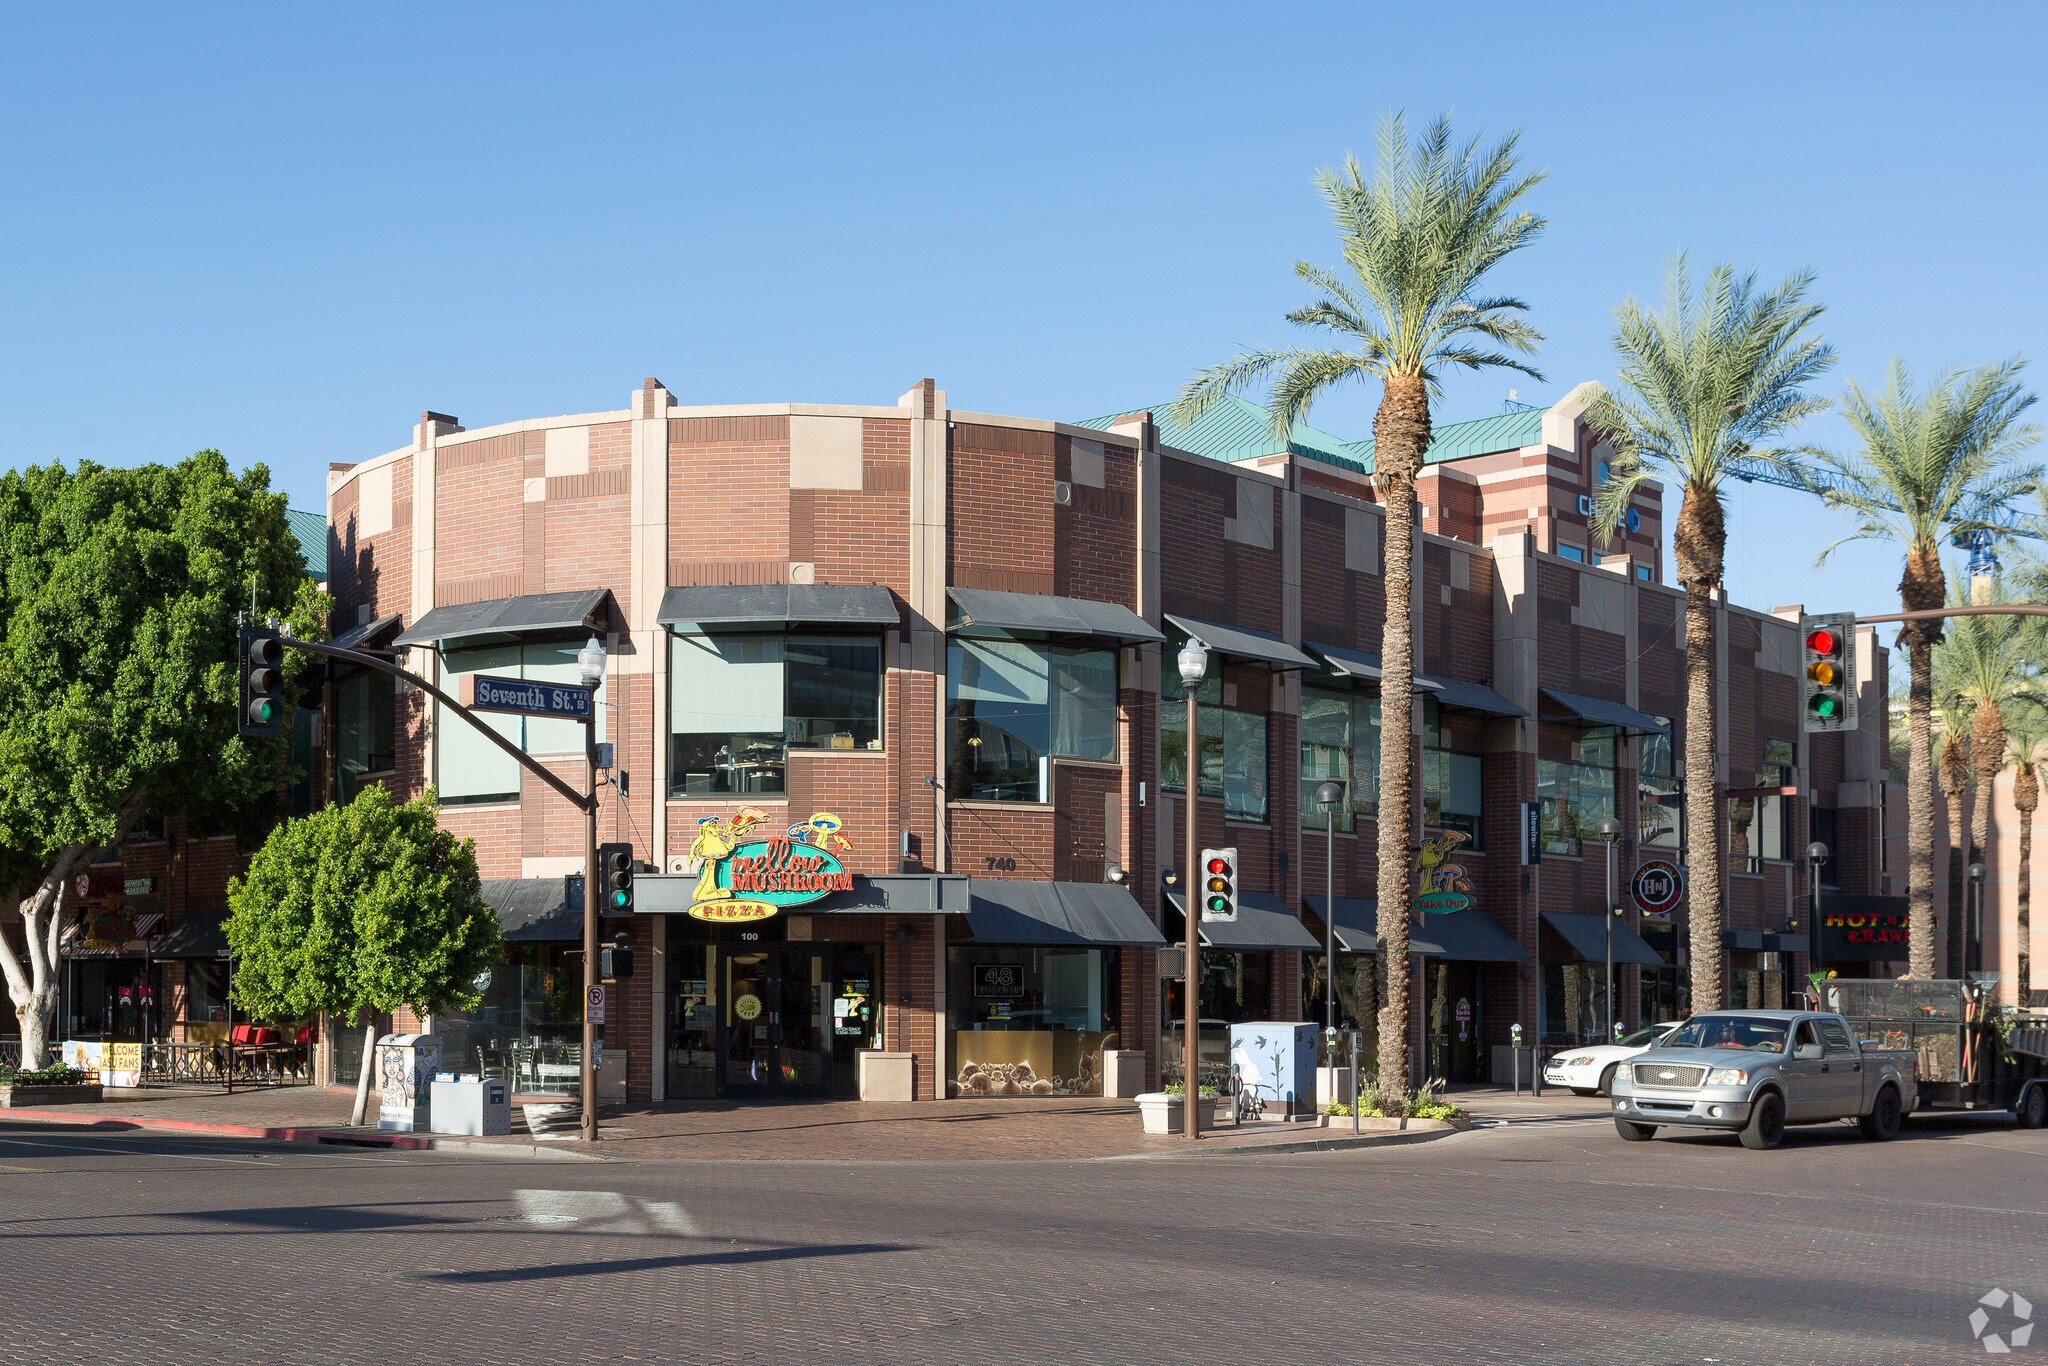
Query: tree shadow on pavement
x=740 y=1257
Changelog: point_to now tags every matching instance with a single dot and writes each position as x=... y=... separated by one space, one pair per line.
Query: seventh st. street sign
x=566 y=700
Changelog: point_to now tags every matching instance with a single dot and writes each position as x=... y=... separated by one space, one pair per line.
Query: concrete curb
x=342 y=1137
x=1386 y=1138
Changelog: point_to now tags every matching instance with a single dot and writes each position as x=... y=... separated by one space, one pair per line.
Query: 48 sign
x=1658 y=886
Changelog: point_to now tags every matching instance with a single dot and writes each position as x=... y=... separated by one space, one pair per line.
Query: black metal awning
x=476 y=623
x=1263 y=922
x=537 y=910
x=1456 y=692
x=1588 y=938
x=196 y=934
x=1245 y=643
x=1359 y=664
x=1597 y=711
x=369 y=635
x=779 y=604
x=1080 y=913
x=988 y=609
x=1467 y=936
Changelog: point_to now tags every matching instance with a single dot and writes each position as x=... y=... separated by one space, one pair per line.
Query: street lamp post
x=1194 y=667
x=1328 y=796
x=590 y=662
x=1609 y=830
x=1816 y=855
x=1973 y=952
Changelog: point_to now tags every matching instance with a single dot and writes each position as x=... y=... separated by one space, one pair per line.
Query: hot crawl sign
x=747 y=878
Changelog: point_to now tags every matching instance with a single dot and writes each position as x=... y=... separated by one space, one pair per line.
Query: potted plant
x=52 y=1085
x=1161 y=1110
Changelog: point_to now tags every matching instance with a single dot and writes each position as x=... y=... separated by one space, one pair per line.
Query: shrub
x=56 y=1074
x=1376 y=1104
x=1178 y=1089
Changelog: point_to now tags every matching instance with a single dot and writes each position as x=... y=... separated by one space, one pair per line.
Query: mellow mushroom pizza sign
x=745 y=876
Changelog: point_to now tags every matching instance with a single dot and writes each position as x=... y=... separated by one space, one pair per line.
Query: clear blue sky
x=283 y=231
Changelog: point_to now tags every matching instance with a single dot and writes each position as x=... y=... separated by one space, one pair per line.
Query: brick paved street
x=1542 y=1241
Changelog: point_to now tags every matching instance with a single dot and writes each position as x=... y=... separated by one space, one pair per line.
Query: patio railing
x=232 y=1065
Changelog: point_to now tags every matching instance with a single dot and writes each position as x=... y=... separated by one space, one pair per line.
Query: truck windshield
x=1730 y=1031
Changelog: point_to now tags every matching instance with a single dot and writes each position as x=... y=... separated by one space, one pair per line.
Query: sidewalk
x=818 y=1131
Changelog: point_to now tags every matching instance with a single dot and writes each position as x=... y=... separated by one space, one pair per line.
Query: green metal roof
x=311 y=529
x=1238 y=429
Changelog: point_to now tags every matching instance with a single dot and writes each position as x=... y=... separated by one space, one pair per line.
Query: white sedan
x=1589 y=1068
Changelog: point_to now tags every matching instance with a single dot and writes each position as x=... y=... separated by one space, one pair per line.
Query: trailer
x=1972 y=1053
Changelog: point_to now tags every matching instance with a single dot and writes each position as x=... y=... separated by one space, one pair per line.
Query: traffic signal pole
x=586 y=801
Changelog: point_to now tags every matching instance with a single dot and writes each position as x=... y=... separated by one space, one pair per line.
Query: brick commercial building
x=933 y=650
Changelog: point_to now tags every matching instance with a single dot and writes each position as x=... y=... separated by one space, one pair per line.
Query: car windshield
x=1729 y=1031
x=1642 y=1037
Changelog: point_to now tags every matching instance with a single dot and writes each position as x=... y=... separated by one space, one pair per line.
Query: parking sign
x=593 y=1010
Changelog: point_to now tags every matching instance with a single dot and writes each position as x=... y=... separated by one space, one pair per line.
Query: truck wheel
x=1883 y=1120
x=1607 y=1079
x=1766 y=1127
x=1635 y=1133
x=2033 y=1107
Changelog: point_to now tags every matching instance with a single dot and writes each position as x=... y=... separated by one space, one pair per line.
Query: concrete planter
x=36 y=1097
x=886 y=1076
x=1162 y=1113
x=1411 y=1126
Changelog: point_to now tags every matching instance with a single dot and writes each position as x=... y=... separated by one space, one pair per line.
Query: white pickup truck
x=1756 y=1071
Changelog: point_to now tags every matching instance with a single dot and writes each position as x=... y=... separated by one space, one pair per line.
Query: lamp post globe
x=1194 y=663
x=590 y=661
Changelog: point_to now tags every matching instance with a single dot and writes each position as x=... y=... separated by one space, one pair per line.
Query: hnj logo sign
x=752 y=878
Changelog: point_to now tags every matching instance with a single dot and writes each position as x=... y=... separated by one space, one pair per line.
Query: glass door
x=776 y=1022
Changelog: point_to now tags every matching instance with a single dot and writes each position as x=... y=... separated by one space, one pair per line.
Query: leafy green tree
x=1932 y=465
x=360 y=909
x=1418 y=236
x=1707 y=389
x=118 y=684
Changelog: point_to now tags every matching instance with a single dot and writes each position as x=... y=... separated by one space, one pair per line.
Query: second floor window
x=1576 y=790
x=469 y=768
x=1340 y=741
x=739 y=703
x=1230 y=740
x=1013 y=706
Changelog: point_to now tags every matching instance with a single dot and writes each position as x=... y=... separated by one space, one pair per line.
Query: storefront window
x=1573 y=1001
x=1234 y=988
x=472 y=769
x=1657 y=795
x=1029 y=1021
x=739 y=703
x=206 y=997
x=529 y=1026
x=1452 y=798
x=1230 y=743
x=1012 y=706
x=1340 y=741
x=1576 y=793
x=365 y=724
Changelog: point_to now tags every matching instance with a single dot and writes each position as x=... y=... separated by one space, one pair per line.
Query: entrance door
x=778 y=1038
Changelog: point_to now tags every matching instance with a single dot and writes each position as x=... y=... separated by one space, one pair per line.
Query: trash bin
x=471 y=1107
x=405 y=1071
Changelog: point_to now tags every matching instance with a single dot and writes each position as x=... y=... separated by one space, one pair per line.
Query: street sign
x=1658 y=886
x=1441 y=903
x=593 y=1006
x=528 y=698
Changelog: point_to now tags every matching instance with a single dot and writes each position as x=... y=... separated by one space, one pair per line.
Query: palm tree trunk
x=1987 y=752
x=2026 y=796
x=1954 y=769
x=1400 y=436
x=1699 y=542
x=1920 y=810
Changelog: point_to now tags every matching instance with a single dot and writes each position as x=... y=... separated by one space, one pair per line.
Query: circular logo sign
x=1441 y=903
x=747 y=1007
x=1658 y=886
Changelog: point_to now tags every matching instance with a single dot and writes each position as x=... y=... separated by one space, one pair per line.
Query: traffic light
x=261 y=653
x=615 y=962
x=1219 y=884
x=615 y=877
x=1827 y=676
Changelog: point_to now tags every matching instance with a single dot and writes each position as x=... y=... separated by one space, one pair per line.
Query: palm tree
x=2026 y=731
x=1931 y=465
x=1952 y=772
x=1981 y=664
x=1418 y=237
x=1708 y=388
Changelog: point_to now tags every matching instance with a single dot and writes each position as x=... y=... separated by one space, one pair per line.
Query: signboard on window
x=1532 y=833
x=1862 y=929
x=998 y=981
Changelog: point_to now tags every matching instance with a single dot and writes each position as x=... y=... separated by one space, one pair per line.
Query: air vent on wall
x=1062 y=492
x=679 y=864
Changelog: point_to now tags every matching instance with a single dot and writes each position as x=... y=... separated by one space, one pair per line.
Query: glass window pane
x=1083 y=692
x=998 y=726
x=1365 y=755
x=835 y=693
x=725 y=714
x=555 y=662
x=470 y=768
x=1325 y=753
x=1244 y=764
